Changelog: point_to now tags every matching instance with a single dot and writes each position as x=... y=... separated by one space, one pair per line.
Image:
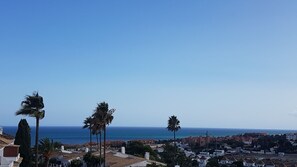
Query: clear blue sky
x=224 y=64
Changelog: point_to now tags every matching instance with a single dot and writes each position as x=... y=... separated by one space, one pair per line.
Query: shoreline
x=77 y=135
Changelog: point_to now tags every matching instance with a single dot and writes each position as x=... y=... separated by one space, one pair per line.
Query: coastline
x=77 y=135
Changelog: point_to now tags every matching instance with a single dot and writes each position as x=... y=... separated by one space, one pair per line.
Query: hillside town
x=246 y=150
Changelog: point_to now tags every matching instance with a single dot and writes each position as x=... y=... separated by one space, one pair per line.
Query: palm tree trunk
x=97 y=140
x=174 y=137
x=104 y=149
x=36 y=142
x=175 y=150
x=100 y=147
x=90 y=139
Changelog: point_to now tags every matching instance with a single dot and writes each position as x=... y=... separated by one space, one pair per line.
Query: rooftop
x=5 y=140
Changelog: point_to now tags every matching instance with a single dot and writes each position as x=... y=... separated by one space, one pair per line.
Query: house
x=259 y=163
x=248 y=163
x=63 y=159
x=206 y=154
x=9 y=153
x=189 y=153
x=217 y=153
x=202 y=161
x=291 y=136
x=121 y=159
x=225 y=161
x=113 y=159
x=268 y=163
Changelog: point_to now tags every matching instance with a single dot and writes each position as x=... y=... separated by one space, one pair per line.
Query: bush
x=76 y=163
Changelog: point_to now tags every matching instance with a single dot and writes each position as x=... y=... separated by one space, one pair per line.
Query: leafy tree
x=23 y=138
x=213 y=162
x=92 y=160
x=55 y=161
x=104 y=114
x=234 y=143
x=57 y=144
x=195 y=163
x=168 y=154
x=137 y=148
x=47 y=148
x=33 y=106
x=173 y=126
x=237 y=164
x=87 y=158
x=76 y=163
x=181 y=159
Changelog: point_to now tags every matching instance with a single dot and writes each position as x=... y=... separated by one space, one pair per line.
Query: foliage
x=92 y=160
x=57 y=144
x=153 y=165
x=47 y=148
x=76 y=163
x=137 y=148
x=33 y=106
x=97 y=125
x=213 y=162
x=237 y=164
x=173 y=124
x=55 y=161
x=181 y=159
x=23 y=138
x=104 y=117
x=279 y=141
x=234 y=143
x=88 y=124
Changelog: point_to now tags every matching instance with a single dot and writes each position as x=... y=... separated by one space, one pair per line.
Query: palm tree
x=32 y=106
x=47 y=147
x=97 y=129
x=104 y=114
x=173 y=126
x=88 y=124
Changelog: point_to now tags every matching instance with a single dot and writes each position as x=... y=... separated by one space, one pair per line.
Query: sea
x=78 y=135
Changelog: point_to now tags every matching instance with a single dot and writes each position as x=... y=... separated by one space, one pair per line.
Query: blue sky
x=221 y=64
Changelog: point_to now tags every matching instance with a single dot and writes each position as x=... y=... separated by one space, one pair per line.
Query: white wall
x=1 y=152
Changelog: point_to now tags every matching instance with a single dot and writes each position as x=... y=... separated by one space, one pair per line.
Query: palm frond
x=32 y=106
x=173 y=123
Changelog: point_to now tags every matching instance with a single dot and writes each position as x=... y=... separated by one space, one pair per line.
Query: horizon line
x=162 y=127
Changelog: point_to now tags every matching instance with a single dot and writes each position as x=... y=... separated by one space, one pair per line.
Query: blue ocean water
x=77 y=135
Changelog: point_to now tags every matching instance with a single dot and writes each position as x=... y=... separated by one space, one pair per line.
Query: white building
x=217 y=153
x=113 y=159
x=121 y=159
x=291 y=136
x=202 y=161
x=9 y=153
x=249 y=163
